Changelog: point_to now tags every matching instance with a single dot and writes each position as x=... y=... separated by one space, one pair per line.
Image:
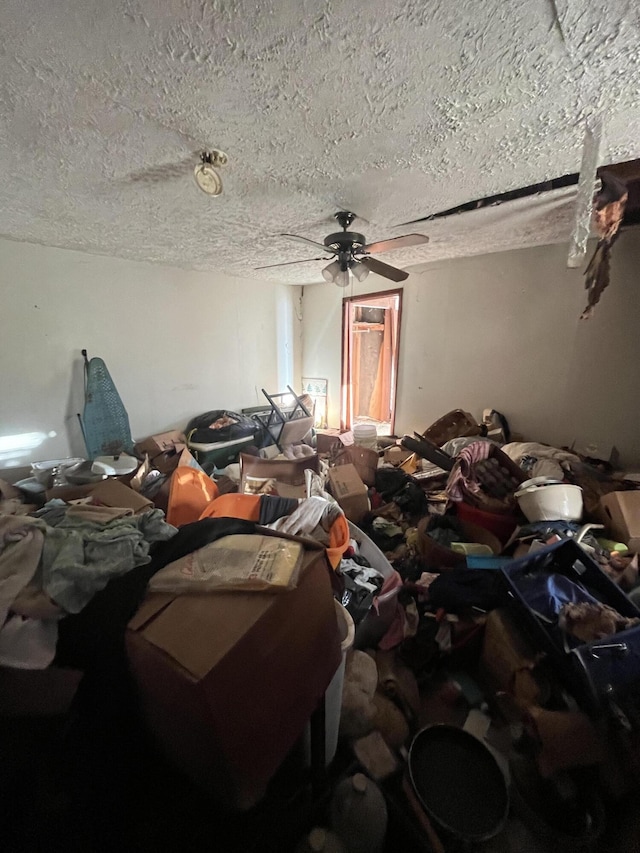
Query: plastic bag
x=246 y=562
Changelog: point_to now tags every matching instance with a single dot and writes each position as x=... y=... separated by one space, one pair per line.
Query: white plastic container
x=375 y=624
x=545 y=501
x=320 y=840
x=333 y=694
x=359 y=815
x=366 y=435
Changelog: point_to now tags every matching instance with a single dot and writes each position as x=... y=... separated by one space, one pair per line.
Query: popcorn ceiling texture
x=392 y=109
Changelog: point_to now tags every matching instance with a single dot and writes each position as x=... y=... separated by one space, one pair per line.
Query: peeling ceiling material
x=417 y=109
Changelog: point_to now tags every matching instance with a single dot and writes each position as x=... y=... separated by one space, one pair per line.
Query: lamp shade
x=330 y=272
x=359 y=270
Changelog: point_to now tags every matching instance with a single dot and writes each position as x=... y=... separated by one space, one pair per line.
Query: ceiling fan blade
x=396 y=243
x=289 y=263
x=383 y=269
x=320 y=246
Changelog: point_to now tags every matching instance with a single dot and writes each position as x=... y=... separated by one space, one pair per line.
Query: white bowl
x=556 y=502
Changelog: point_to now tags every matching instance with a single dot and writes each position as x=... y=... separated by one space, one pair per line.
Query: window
x=370 y=347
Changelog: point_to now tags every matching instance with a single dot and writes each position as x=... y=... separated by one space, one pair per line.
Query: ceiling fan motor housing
x=345 y=240
x=345 y=244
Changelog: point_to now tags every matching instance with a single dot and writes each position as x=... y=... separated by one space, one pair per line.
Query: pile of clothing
x=52 y=564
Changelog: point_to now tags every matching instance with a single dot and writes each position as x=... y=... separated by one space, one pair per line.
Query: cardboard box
x=350 y=492
x=508 y=661
x=162 y=442
x=168 y=461
x=327 y=440
x=621 y=514
x=228 y=681
x=363 y=459
x=115 y=493
x=109 y=492
x=396 y=455
x=288 y=474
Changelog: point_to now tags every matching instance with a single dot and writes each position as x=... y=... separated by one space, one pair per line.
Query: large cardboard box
x=621 y=513
x=228 y=681
x=162 y=442
x=327 y=440
x=350 y=492
x=288 y=474
x=109 y=492
x=508 y=661
x=363 y=459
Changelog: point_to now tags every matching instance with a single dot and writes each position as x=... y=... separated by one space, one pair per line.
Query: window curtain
x=380 y=406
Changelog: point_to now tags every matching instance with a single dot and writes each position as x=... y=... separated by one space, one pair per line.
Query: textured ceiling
x=394 y=110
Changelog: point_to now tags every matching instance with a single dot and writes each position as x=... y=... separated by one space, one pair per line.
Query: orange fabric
x=346 y=412
x=248 y=506
x=234 y=505
x=190 y=492
x=380 y=406
x=338 y=541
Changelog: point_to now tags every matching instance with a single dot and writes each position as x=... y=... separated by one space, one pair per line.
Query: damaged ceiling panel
x=393 y=110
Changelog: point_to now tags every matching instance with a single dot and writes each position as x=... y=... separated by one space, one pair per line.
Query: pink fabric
x=461 y=472
x=395 y=632
x=426 y=579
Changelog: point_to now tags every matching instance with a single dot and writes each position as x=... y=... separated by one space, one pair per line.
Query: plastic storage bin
x=602 y=673
x=374 y=625
x=333 y=693
x=219 y=454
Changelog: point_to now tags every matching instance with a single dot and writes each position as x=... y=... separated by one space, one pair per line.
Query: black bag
x=199 y=428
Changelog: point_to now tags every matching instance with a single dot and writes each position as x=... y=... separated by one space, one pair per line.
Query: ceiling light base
x=344 y=218
x=205 y=174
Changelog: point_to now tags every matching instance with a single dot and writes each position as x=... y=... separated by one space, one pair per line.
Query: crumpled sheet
x=21 y=541
x=540 y=460
x=28 y=643
x=79 y=557
x=75 y=559
x=45 y=571
x=312 y=517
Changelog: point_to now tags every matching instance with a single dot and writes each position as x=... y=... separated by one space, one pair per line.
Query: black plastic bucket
x=458 y=783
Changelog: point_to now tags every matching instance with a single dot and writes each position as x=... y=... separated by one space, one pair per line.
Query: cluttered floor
x=252 y=636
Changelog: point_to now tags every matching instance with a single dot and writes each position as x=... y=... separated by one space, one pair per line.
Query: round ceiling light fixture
x=207 y=178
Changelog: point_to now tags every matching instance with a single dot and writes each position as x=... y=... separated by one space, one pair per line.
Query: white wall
x=176 y=343
x=502 y=330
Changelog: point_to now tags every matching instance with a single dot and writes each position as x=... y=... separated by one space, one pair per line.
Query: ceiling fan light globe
x=331 y=271
x=342 y=278
x=360 y=271
x=208 y=179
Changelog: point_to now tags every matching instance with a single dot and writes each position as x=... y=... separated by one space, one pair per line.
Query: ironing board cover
x=105 y=420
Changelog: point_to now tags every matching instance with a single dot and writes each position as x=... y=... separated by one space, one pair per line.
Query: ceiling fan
x=352 y=253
